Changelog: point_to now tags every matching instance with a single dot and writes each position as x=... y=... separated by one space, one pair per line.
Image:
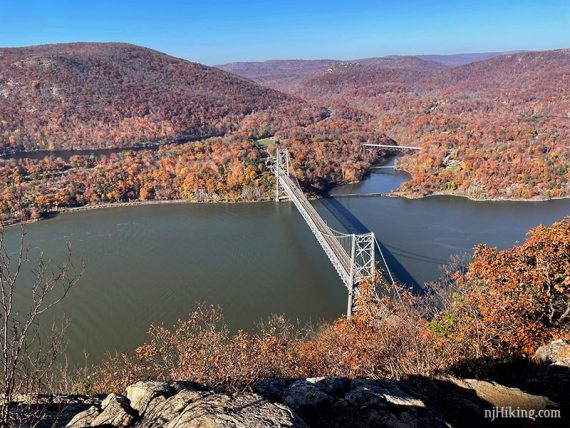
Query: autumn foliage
x=490 y=129
x=512 y=301
x=385 y=339
x=216 y=170
x=505 y=305
x=230 y=168
x=110 y=95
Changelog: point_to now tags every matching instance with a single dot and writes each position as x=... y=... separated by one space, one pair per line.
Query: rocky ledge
x=332 y=402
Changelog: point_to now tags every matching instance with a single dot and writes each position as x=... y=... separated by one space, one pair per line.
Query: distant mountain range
x=278 y=71
x=453 y=60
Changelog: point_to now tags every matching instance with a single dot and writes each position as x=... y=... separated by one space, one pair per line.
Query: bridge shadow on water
x=353 y=225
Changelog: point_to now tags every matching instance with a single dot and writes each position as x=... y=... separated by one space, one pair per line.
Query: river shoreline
x=391 y=194
x=412 y=196
x=149 y=264
x=90 y=207
x=394 y=194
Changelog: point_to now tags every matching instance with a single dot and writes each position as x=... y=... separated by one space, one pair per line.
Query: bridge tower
x=352 y=255
x=281 y=164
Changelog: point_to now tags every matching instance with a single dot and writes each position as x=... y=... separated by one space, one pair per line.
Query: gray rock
x=85 y=418
x=115 y=412
x=244 y=410
x=340 y=402
x=557 y=353
x=141 y=394
x=331 y=402
x=208 y=409
x=380 y=392
x=162 y=410
x=304 y=394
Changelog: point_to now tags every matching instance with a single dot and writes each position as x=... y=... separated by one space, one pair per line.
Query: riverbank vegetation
x=498 y=309
x=230 y=168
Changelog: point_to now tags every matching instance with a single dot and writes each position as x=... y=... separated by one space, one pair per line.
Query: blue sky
x=214 y=32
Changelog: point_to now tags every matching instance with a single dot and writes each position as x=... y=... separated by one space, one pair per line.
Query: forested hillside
x=230 y=168
x=497 y=128
x=103 y=95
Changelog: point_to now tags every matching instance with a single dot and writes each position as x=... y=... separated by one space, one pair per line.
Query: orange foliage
x=512 y=301
x=387 y=338
x=214 y=170
x=230 y=168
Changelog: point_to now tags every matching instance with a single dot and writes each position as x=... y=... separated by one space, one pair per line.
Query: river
x=68 y=154
x=151 y=264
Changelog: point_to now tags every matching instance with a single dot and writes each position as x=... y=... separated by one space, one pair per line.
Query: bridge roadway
x=336 y=253
x=391 y=146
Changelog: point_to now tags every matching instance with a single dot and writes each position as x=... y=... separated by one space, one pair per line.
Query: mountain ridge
x=260 y=71
x=109 y=95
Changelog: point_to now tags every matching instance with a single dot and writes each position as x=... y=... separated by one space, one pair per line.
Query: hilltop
x=110 y=95
x=285 y=74
x=107 y=95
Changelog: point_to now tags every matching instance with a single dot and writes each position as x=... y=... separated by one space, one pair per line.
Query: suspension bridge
x=352 y=255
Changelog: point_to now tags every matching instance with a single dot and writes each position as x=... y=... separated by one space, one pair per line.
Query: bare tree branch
x=27 y=360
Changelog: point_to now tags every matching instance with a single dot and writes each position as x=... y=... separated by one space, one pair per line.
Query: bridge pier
x=349 y=307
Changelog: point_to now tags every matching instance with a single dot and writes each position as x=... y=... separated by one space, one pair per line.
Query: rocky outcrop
x=115 y=410
x=415 y=401
x=342 y=402
x=184 y=404
x=330 y=402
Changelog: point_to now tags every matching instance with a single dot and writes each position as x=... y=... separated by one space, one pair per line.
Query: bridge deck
x=340 y=259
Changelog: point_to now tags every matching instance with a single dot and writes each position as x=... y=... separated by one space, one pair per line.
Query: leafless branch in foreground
x=27 y=356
